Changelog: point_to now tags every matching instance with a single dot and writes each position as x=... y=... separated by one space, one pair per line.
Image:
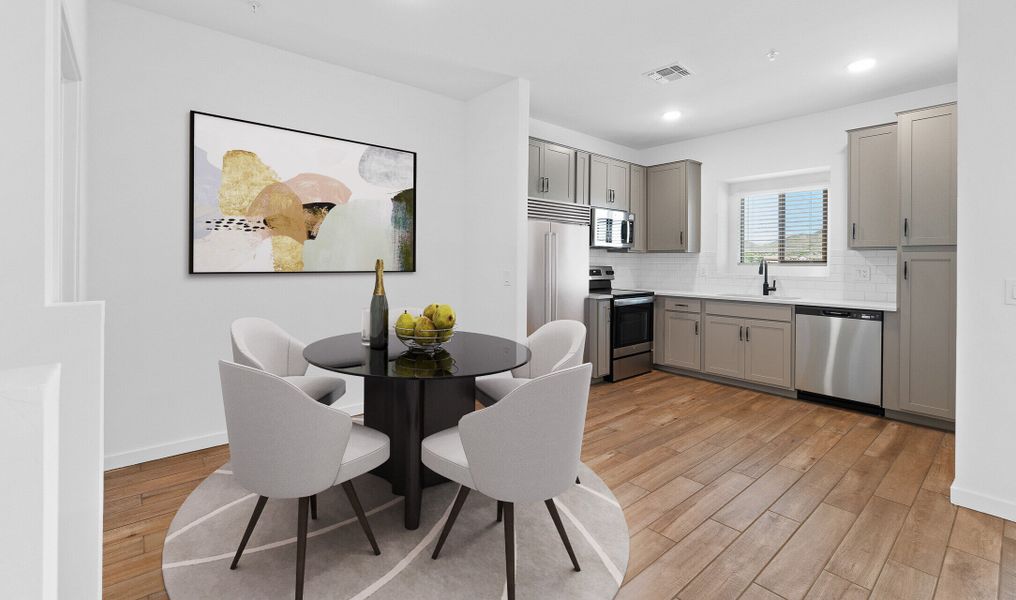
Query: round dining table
x=410 y=394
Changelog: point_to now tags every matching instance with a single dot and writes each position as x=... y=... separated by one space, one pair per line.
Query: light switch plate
x=1010 y=291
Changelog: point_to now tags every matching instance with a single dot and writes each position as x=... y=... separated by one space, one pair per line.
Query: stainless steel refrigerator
x=558 y=280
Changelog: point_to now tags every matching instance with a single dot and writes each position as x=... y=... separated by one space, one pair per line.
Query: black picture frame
x=190 y=216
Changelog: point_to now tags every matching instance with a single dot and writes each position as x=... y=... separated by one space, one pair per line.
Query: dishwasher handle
x=836 y=313
x=840 y=313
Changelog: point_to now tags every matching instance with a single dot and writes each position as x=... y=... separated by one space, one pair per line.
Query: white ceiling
x=585 y=58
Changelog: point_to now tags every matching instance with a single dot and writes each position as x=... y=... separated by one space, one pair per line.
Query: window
x=785 y=227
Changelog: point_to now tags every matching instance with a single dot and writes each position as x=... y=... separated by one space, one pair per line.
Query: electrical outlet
x=1010 y=291
x=862 y=274
x=506 y=276
x=702 y=271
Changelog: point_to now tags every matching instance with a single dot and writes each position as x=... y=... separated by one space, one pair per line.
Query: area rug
x=340 y=564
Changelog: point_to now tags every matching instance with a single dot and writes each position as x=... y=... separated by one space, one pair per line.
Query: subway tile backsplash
x=699 y=272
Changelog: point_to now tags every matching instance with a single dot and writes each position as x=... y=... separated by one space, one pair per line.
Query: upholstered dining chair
x=555 y=346
x=523 y=449
x=284 y=444
x=261 y=344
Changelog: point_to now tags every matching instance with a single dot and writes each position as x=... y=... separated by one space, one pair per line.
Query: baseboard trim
x=992 y=505
x=133 y=457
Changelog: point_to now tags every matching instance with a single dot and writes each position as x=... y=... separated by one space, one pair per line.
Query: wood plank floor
x=728 y=493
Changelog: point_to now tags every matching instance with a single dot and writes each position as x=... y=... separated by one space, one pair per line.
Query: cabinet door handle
x=905 y=270
x=747 y=334
x=682 y=238
x=696 y=327
x=906 y=227
x=740 y=333
x=853 y=231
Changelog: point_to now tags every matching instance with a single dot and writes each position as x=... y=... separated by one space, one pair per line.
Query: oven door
x=632 y=326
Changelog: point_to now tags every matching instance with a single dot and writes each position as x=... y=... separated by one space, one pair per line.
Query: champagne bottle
x=379 y=310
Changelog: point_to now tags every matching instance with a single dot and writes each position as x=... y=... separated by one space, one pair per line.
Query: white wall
x=495 y=208
x=167 y=329
x=814 y=142
x=34 y=332
x=583 y=141
x=985 y=351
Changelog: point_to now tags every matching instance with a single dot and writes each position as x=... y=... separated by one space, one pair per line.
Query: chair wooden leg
x=500 y=511
x=509 y=548
x=354 y=500
x=460 y=499
x=260 y=506
x=301 y=545
x=564 y=535
x=313 y=507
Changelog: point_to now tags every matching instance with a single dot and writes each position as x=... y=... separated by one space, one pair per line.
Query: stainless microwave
x=611 y=229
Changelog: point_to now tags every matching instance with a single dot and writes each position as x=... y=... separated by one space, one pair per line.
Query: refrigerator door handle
x=553 y=248
x=548 y=275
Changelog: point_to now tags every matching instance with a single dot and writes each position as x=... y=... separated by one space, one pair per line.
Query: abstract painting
x=268 y=199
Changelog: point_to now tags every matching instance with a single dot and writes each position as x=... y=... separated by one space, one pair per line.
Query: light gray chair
x=261 y=344
x=284 y=444
x=555 y=346
x=525 y=448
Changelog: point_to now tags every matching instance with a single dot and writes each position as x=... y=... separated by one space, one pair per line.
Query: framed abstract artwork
x=268 y=199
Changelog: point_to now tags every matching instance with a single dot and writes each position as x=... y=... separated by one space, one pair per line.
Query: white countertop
x=802 y=301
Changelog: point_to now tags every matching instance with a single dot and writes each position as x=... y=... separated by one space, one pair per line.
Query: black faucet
x=763 y=269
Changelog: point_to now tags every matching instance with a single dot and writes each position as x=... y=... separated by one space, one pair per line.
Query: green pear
x=430 y=310
x=405 y=325
x=424 y=330
x=444 y=317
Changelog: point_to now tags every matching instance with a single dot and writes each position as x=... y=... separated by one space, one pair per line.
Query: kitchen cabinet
x=608 y=182
x=551 y=171
x=768 y=353
x=637 y=202
x=681 y=341
x=673 y=200
x=873 y=187
x=723 y=347
x=581 y=177
x=740 y=345
x=927 y=175
x=927 y=343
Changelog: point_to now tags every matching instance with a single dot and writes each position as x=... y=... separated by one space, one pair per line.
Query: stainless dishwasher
x=839 y=354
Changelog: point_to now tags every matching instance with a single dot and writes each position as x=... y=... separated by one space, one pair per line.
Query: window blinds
x=785 y=227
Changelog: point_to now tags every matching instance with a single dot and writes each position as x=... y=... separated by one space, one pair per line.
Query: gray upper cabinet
x=673 y=199
x=582 y=177
x=873 y=204
x=927 y=341
x=608 y=182
x=927 y=172
x=551 y=171
x=637 y=203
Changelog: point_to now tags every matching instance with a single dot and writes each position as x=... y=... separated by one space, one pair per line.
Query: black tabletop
x=465 y=355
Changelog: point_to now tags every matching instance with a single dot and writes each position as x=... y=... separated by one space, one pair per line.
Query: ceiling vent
x=669 y=73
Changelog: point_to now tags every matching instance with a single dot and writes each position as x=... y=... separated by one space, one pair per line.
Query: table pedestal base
x=408 y=410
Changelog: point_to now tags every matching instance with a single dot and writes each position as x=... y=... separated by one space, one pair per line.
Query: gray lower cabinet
x=673 y=201
x=873 y=188
x=927 y=343
x=927 y=172
x=723 y=347
x=682 y=342
x=551 y=171
x=768 y=353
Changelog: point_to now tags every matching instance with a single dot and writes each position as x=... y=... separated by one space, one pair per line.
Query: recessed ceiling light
x=672 y=115
x=860 y=66
x=772 y=54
